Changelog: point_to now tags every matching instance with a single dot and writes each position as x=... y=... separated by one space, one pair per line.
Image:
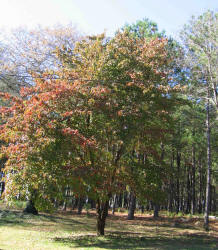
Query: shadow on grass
x=15 y=222
x=58 y=219
x=42 y=222
x=161 y=222
x=19 y=218
x=126 y=240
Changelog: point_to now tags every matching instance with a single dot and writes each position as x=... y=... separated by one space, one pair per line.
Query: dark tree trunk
x=125 y=200
x=2 y=187
x=182 y=198
x=200 y=188
x=170 y=198
x=102 y=212
x=132 y=206
x=92 y=203
x=30 y=208
x=171 y=186
x=156 y=211
x=188 y=190
x=2 y=183
x=80 y=205
x=74 y=203
x=213 y=199
x=178 y=160
x=148 y=206
x=193 y=179
x=156 y=205
x=120 y=197
x=207 y=204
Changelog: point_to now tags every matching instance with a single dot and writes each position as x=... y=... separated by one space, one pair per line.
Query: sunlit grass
x=71 y=231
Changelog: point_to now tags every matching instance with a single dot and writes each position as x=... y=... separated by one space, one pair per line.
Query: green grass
x=70 y=231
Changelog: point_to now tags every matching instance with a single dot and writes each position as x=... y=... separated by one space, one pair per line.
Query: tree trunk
x=188 y=190
x=125 y=200
x=213 y=199
x=30 y=208
x=102 y=212
x=171 y=186
x=120 y=198
x=156 y=205
x=200 y=187
x=182 y=196
x=193 y=180
x=80 y=205
x=74 y=203
x=156 y=211
x=207 y=204
x=92 y=203
x=114 y=204
x=178 y=160
x=2 y=187
x=132 y=206
x=64 y=208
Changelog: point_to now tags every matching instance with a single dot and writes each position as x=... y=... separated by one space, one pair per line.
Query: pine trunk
x=188 y=191
x=193 y=180
x=156 y=211
x=207 y=204
x=200 y=199
x=114 y=204
x=80 y=205
x=171 y=185
x=132 y=206
x=178 y=160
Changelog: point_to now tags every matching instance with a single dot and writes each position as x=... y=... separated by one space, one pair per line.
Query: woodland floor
x=67 y=230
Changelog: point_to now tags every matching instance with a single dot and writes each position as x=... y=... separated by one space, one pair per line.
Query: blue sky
x=97 y=16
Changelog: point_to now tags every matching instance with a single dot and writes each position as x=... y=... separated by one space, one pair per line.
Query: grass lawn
x=71 y=231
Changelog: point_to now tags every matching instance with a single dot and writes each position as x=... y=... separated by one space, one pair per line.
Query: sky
x=97 y=16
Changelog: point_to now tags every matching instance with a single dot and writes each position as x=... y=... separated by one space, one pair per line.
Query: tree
x=144 y=28
x=200 y=40
x=84 y=129
x=25 y=51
